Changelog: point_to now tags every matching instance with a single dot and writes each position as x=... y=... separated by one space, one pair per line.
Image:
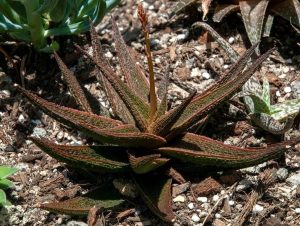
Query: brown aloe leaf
x=156 y=193
x=253 y=13
x=67 y=115
x=134 y=78
x=202 y=104
x=74 y=85
x=289 y=10
x=100 y=128
x=162 y=125
x=146 y=163
x=223 y=10
x=116 y=103
x=106 y=197
x=204 y=151
x=139 y=109
x=96 y=158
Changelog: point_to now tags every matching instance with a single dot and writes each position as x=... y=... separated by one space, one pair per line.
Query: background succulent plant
x=5 y=171
x=277 y=118
x=149 y=140
x=257 y=15
x=34 y=21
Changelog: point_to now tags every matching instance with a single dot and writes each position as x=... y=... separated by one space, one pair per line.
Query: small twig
x=234 y=56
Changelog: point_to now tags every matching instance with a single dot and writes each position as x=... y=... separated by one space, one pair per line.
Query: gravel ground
x=190 y=60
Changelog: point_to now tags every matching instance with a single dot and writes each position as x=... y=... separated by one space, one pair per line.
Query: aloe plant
x=263 y=113
x=36 y=20
x=149 y=140
x=5 y=171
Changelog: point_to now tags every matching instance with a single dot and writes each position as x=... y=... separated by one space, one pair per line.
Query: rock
x=206 y=187
x=295 y=85
x=294 y=179
x=206 y=75
x=231 y=202
x=254 y=169
x=287 y=89
x=282 y=174
x=195 y=72
x=191 y=206
x=257 y=208
x=179 y=198
x=297 y=210
x=202 y=199
x=39 y=132
x=215 y=198
x=218 y=216
x=195 y=218
x=231 y=40
x=76 y=223
x=243 y=185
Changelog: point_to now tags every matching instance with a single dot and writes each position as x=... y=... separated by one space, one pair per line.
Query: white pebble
x=231 y=40
x=278 y=94
x=195 y=218
x=202 y=199
x=179 y=198
x=195 y=72
x=231 y=202
x=287 y=89
x=206 y=75
x=191 y=206
x=108 y=55
x=218 y=216
x=257 y=208
x=226 y=66
x=215 y=198
x=43 y=173
x=21 y=118
x=285 y=69
x=297 y=210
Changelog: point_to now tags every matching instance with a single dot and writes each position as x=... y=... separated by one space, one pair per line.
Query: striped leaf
x=106 y=197
x=204 y=151
x=146 y=163
x=96 y=158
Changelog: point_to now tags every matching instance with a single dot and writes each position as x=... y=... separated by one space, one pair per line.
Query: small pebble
x=206 y=75
x=278 y=93
x=191 y=206
x=231 y=202
x=285 y=69
x=297 y=210
x=195 y=218
x=21 y=118
x=231 y=40
x=287 y=89
x=202 y=199
x=218 y=216
x=257 y=208
x=282 y=173
x=226 y=66
x=195 y=72
x=179 y=198
x=215 y=198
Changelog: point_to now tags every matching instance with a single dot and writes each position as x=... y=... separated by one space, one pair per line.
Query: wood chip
x=207 y=186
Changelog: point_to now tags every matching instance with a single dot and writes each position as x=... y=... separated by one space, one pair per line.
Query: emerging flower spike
x=149 y=141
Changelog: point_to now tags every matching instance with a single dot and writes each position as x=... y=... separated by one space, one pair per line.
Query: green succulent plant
x=148 y=140
x=36 y=20
x=5 y=171
x=277 y=118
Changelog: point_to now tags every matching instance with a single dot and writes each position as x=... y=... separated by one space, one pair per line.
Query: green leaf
x=259 y=105
x=253 y=13
x=47 y=6
x=6 y=171
x=283 y=110
x=146 y=163
x=156 y=193
x=59 y=11
x=203 y=151
x=266 y=91
x=270 y=124
x=105 y=197
x=2 y=198
x=5 y=184
x=97 y=158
